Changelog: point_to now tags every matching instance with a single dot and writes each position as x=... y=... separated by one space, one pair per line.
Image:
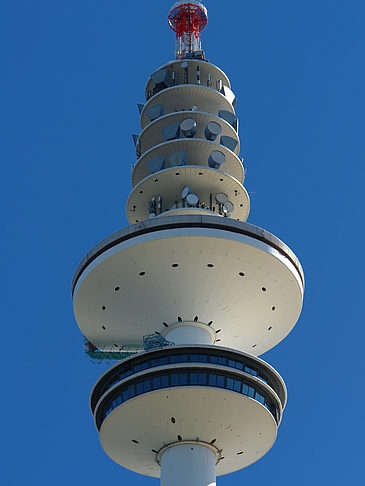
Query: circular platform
x=239 y=426
x=152 y=135
x=197 y=151
x=205 y=68
x=243 y=279
x=184 y=97
x=205 y=182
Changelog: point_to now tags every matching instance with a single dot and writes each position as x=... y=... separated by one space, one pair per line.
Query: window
x=251 y=392
x=260 y=398
x=202 y=378
x=141 y=366
x=125 y=395
x=164 y=380
x=174 y=358
x=156 y=382
x=147 y=385
x=220 y=381
x=212 y=380
x=222 y=361
x=139 y=388
x=230 y=383
x=183 y=377
x=231 y=363
x=193 y=378
x=174 y=379
x=131 y=391
x=237 y=386
x=239 y=366
x=251 y=371
x=213 y=359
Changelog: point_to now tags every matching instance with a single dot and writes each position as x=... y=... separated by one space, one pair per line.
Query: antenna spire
x=187 y=18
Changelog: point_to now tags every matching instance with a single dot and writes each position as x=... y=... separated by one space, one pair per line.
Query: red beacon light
x=188 y=18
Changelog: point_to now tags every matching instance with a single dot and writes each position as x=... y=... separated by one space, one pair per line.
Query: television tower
x=189 y=295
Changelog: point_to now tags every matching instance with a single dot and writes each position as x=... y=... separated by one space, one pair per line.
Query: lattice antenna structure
x=187 y=19
x=188 y=296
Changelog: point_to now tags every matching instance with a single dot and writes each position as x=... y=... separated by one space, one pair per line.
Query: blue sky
x=72 y=73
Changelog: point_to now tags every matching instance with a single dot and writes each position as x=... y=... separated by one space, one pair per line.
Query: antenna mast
x=187 y=18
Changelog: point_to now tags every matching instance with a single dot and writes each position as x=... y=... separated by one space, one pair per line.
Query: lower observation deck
x=236 y=277
x=235 y=412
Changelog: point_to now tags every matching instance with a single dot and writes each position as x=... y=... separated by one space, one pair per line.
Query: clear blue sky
x=72 y=73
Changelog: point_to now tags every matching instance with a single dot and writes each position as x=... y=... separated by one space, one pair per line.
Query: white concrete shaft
x=188 y=464
x=189 y=334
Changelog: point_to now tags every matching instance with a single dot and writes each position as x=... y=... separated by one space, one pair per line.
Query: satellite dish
x=188 y=127
x=185 y=192
x=221 y=198
x=192 y=199
x=229 y=207
x=212 y=130
x=216 y=159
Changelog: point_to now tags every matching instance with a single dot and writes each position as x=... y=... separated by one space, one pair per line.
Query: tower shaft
x=188 y=464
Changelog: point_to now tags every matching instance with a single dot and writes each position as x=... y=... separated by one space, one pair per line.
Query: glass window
x=119 y=400
x=125 y=395
x=164 y=360
x=123 y=375
x=129 y=373
x=194 y=357
x=139 y=388
x=183 y=358
x=221 y=360
x=141 y=366
x=156 y=382
x=165 y=380
x=202 y=378
x=260 y=398
x=220 y=381
x=183 y=378
x=245 y=389
x=193 y=378
x=203 y=358
x=174 y=358
x=251 y=371
x=131 y=391
x=251 y=392
x=213 y=359
x=174 y=379
x=231 y=363
x=155 y=362
x=212 y=379
x=147 y=385
x=237 y=386
x=230 y=383
x=239 y=366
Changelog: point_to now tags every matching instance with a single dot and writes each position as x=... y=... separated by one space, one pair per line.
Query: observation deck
x=240 y=277
x=227 y=387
